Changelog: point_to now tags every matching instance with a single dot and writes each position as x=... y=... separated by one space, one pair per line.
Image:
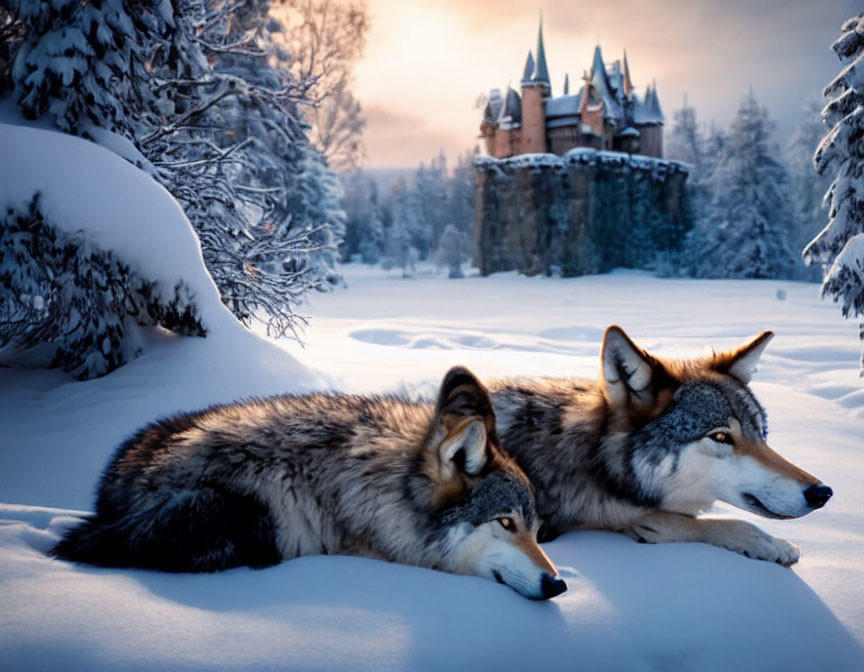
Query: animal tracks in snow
x=565 y=340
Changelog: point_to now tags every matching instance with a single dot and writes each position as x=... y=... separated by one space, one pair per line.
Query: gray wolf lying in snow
x=258 y=482
x=650 y=445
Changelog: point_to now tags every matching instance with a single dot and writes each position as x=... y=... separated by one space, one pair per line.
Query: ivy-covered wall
x=586 y=212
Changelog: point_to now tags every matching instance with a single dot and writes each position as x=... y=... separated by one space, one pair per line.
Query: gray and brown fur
x=607 y=454
x=266 y=480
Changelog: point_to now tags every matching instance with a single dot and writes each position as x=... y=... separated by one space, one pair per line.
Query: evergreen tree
x=839 y=247
x=807 y=187
x=204 y=90
x=429 y=196
x=364 y=229
x=406 y=230
x=715 y=145
x=745 y=233
x=460 y=203
x=685 y=142
x=87 y=62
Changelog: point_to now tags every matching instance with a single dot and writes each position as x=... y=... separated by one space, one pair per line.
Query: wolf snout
x=552 y=586
x=817 y=495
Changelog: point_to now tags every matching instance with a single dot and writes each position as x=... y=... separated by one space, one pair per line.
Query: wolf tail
x=92 y=543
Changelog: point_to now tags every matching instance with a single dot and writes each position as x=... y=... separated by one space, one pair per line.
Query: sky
x=426 y=63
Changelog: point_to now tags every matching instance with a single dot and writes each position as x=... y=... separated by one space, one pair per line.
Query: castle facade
x=606 y=113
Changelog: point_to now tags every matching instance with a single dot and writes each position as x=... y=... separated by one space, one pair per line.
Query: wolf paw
x=754 y=543
x=644 y=534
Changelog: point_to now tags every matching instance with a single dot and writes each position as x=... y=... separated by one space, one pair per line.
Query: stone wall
x=586 y=212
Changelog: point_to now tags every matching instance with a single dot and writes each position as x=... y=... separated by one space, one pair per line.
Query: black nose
x=552 y=586
x=817 y=495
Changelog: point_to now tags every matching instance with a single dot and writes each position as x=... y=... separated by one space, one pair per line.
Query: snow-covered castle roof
x=607 y=85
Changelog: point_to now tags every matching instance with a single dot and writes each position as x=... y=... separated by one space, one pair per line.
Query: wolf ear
x=629 y=375
x=741 y=362
x=464 y=412
x=464 y=449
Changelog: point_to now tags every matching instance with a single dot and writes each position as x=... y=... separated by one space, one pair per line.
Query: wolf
x=263 y=481
x=650 y=445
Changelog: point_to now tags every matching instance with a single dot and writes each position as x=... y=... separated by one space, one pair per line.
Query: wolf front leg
x=736 y=535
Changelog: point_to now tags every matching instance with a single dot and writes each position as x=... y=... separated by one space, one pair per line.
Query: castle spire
x=628 y=84
x=528 y=72
x=566 y=83
x=597 y=63
x=655 y=103
x=541 y=72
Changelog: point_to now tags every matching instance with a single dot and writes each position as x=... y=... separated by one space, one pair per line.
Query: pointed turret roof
x=511 y=111
x=647 y=111
x=628 y=83
x=655 y=104
x=528 y=71
x=600 y=83
x=541 y=71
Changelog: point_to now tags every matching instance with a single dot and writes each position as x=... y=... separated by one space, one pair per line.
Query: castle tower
x=534 y=93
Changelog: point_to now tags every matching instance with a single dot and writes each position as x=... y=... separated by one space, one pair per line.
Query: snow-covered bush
x=62 y=291
x=744 y=231
x=839 y=247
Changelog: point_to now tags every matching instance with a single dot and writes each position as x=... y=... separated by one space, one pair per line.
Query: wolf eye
x=507 y=524
x=721 y=437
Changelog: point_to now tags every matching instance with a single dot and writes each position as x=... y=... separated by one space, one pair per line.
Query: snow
x=584 y=155
x=629 y=606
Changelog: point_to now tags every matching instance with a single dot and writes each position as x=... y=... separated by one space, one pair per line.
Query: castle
x=605 y=114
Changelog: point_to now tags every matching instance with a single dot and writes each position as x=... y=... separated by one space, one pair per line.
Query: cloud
x=384 y=116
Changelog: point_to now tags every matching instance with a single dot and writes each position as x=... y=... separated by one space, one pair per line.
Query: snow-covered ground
x=628 y=607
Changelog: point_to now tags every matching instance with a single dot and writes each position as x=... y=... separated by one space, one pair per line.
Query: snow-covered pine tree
x=62 y=292
x=364 y=230
x=839 y=247
x=807 y=187
x=745 y=232
x=716 y=141
x=686 y=143
x=202 y=89
x=406 y=230
x=87 y=62
x=428 y=196
x=460 y=202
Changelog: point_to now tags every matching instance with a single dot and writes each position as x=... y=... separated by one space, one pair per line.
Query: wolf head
x=485 y=516
x=695 y=433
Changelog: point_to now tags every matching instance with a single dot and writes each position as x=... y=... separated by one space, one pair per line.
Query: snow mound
x=629 y=607
x=86 y=188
